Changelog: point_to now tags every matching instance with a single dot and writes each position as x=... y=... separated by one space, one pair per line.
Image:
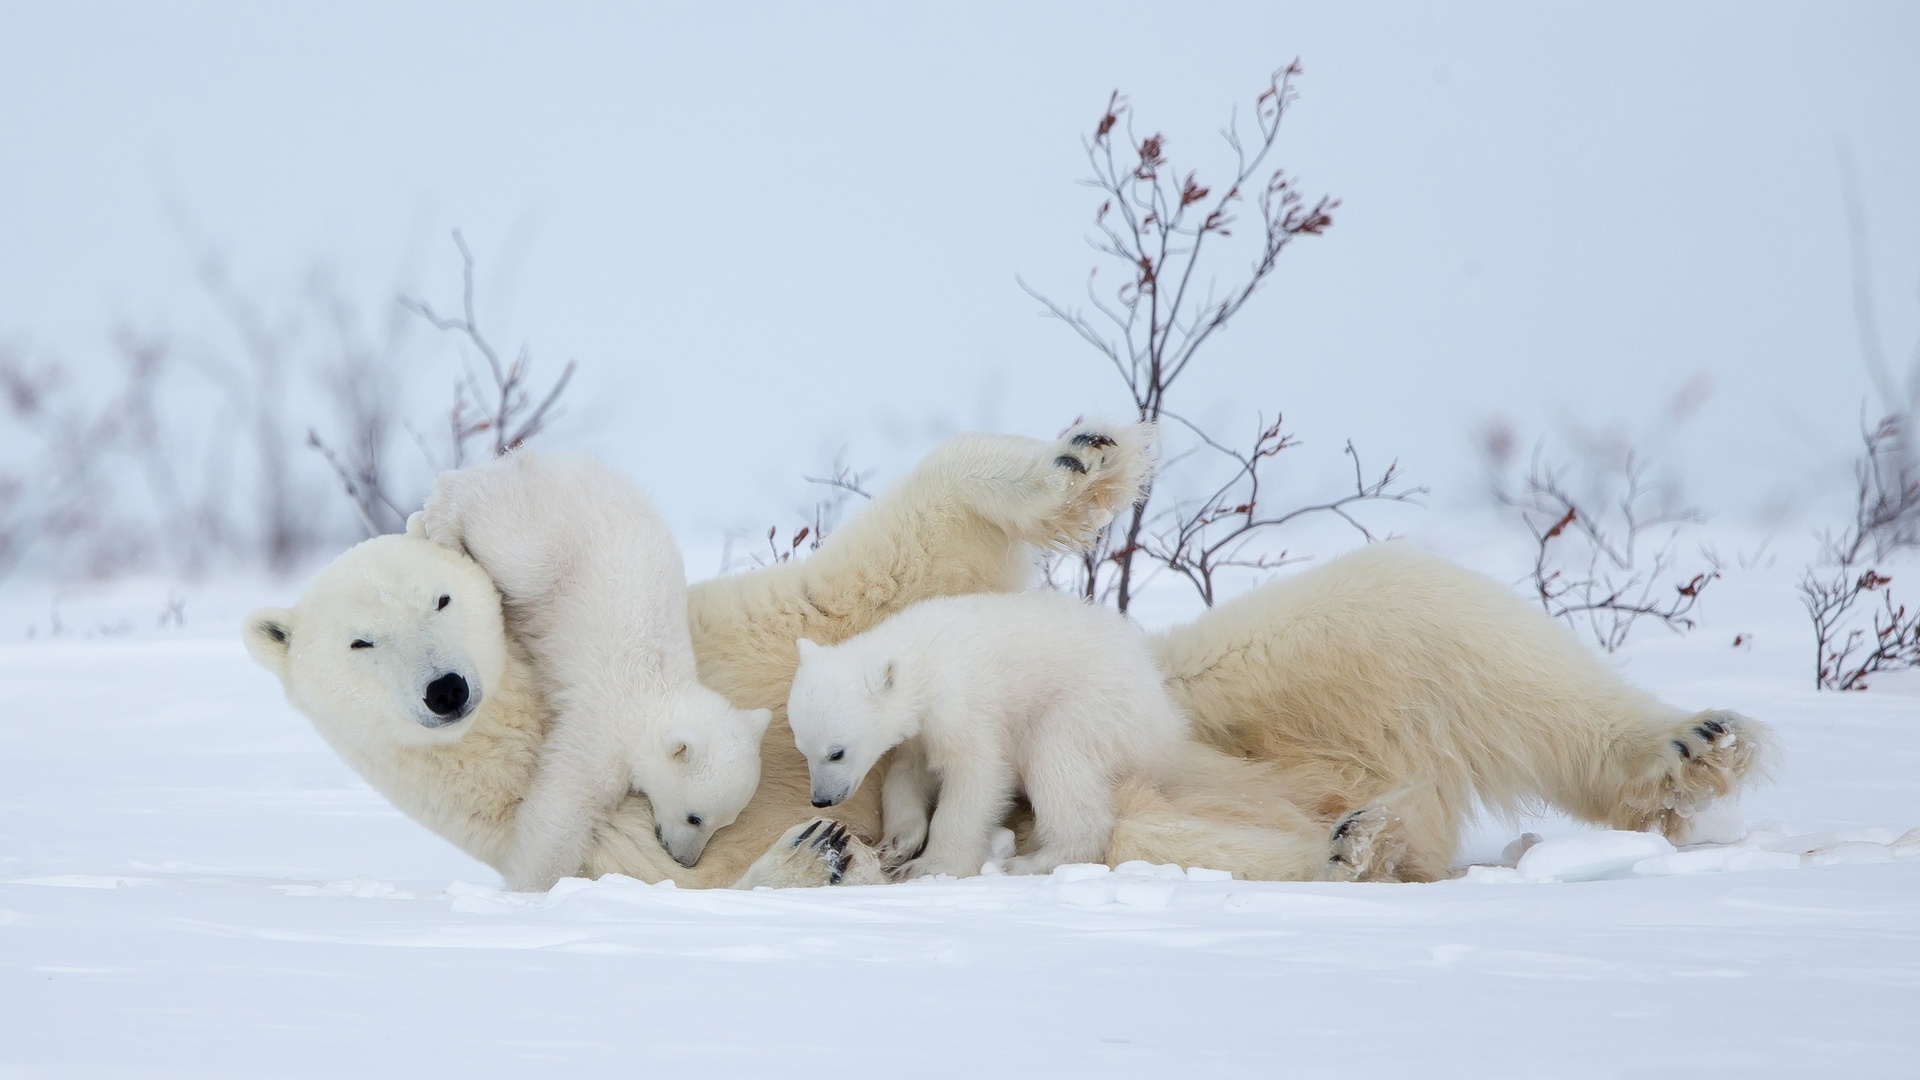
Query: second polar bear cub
x=987 y=696
x=599 y=598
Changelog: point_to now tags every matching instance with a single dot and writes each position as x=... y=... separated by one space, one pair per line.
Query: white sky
x=767 y=231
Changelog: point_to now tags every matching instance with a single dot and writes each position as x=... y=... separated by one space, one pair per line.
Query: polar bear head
x=703 y=770
x=397 y=642
x=845 y=712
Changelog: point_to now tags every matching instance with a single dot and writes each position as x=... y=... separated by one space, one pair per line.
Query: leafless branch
x=1886 y=512
x=1592 y=564
x=508 y=412
x=1166 y=229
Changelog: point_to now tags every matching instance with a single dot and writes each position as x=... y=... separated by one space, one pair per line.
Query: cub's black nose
x=817 y=801
x=447 y=695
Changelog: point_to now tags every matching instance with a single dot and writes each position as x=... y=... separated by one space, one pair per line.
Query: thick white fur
x=1344 y=716
x=1394 y=679
x=987 y=696
x=967 y=519
x=598 y=597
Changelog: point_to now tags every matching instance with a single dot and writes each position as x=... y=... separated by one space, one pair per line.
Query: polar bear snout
x=449 y=699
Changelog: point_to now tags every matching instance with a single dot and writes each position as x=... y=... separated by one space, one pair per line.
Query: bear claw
x=832 y=846
x=1092 y=438
x=1067 y=461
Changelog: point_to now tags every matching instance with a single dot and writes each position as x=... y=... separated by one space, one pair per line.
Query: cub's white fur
x=987 y=696
x=598 y=596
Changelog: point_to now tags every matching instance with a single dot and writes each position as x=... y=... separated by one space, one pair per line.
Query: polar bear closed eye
x=409 y=635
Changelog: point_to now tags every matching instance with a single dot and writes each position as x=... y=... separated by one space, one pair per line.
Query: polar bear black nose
x=447 y=694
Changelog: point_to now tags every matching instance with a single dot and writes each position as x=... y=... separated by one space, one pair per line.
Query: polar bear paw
x=1367 y=845
x=1106 y=470
x=935 y=866
x=1705 y=757
x=905 y=842
x=814 y=853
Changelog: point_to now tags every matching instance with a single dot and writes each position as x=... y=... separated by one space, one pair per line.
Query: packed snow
x=191 y=883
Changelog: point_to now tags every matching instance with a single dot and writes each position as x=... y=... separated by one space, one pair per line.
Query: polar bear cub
x=598 y=596
x=986 y=696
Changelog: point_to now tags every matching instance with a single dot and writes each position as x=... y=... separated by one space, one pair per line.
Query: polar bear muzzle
x=449 y=699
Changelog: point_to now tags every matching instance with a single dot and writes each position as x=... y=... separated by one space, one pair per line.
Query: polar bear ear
x=417 y=524
x=682 y=744
x=269 y=633
x=757 y=721
x=880 y=675
x=807 y=647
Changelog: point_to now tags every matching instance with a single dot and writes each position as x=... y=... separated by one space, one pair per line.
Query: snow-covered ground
x=192 y=884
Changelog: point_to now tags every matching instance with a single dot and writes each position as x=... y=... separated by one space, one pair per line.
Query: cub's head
x=845 y=711
x=702 y=772
x=397 y=642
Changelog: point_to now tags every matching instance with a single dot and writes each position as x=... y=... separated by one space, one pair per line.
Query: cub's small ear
x=757 y=721
x=880 y=676
x=807 y=647
x=682 y=744
x=268 y=634
x=417 y=524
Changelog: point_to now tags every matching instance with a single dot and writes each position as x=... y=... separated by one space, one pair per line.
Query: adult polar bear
x=1349 y=715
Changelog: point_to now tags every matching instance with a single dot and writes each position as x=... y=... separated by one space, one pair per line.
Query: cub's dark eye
x=442 y=605
x=836 y=755
x=693 y=820
x=362 y=643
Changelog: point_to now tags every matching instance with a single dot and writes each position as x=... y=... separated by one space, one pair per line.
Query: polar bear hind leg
x=1682 y=767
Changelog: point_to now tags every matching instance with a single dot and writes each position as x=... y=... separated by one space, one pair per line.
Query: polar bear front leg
x=973 y=800
x=814 y=853
x=906 y=805
x=580 y=778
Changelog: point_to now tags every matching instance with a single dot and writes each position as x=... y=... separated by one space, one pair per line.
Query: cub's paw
x=1367 y=845
x=932 y=866
x=1705 y=757
x=440 y=522
x=1037 y=863
x=902 y=845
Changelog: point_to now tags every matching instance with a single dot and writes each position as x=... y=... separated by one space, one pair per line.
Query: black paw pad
x=1067 y=461
x=1092 y=438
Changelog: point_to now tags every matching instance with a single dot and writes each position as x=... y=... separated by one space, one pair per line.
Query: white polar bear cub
x=991 y=694
x=599 y=598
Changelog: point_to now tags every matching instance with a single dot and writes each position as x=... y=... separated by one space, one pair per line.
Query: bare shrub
x=1605 y=562
x=1853 y=639
x=360 y=373
x=1162 y=228
x=183 y=449
x=842 y=485
x=256 y=389
x=504 y=412
x=66 y=435
x=494 y=409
